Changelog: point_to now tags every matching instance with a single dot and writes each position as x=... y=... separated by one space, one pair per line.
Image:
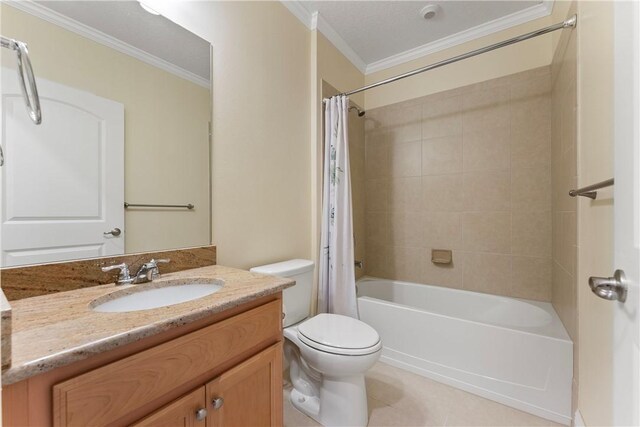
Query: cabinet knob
x=217 y=403
x=201 y=414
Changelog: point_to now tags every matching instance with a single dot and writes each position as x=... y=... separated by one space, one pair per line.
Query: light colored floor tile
x=293 y=417
x=400 y=398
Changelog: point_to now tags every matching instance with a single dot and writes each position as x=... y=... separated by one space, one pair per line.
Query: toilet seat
x=333 y=333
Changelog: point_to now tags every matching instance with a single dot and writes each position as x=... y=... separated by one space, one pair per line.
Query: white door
x=626 y=343
x=62 y=182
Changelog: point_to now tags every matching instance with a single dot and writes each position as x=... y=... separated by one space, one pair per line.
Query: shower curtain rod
x=569 y=23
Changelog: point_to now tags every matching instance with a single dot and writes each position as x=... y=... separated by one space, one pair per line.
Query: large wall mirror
x=126 y=110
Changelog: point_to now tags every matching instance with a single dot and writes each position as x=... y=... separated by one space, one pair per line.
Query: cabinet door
x=187 y=411
x=249 y=394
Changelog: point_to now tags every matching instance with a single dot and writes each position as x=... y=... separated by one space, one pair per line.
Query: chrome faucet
x=147 y=272
x=124 y=277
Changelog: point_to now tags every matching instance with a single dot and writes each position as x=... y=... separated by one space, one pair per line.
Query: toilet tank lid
x=285 y=268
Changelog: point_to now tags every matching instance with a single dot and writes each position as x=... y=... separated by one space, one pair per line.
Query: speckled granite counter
x=51 y=331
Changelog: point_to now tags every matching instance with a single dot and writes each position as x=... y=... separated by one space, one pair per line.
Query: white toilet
x=328 y=354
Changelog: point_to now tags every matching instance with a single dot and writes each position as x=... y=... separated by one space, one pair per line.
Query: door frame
x=626 y=369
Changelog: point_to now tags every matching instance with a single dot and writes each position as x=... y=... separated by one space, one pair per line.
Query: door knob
x=115 y=232
x=610 y=288
x=217 y=403
x=201 y=414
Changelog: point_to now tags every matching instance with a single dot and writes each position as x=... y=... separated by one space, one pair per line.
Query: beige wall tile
x=377 y=263
x=485 y=109
x=405 y=194
x=531 y=114
x=376 y=156
x=484 y=157
x=487 y=231
x=486 y=272
x=564 y=299
x=442 y=193
x=406 y=229
x=405 y=159
x=403 y=124
x=566 y=255
x=360 y=236
x=531 y=189
x=449 y=276
x=531 y=278
x=442 y=117
x=488 y=150
x=358 y=194
x=535 y=87
x=487 y=191
x=377 y=228
x=442 y=155
x=377 y=195
x=442 y=230
x=405 y=263
x=530 y=149
x=531 y=233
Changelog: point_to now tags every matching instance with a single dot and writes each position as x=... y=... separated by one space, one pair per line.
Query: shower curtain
x=336 y=285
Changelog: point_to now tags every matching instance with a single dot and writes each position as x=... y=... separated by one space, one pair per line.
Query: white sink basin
x=139 y=298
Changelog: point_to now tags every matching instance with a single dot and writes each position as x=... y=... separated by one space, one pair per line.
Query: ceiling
x=127 y=22
x=378 y=30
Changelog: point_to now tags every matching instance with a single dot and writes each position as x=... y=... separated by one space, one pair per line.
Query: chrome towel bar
x=589 y=190
x=138 y=205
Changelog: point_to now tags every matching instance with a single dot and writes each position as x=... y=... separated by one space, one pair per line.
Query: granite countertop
x=55 y=330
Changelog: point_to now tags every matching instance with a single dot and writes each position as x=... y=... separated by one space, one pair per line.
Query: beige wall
x=466 y=170
x=564 y=177
x=595 y=218
x=166 y=127
x=261 y=127
x=502 y=62
x=562 y=9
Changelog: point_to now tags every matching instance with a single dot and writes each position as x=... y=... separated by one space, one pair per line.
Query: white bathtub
x=513 y=351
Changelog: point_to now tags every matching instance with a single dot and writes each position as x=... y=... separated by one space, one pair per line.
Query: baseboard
x=577 y=419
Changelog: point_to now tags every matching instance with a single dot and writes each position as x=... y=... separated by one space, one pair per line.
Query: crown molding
x=79 y=28
x=314 y=21
x=299 y=11
x=534 y=12
x=319 y=23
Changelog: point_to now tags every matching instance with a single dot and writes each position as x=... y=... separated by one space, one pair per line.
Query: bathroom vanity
x=215 y=360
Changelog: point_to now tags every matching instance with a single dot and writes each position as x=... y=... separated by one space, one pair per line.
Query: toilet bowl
x=327 y=354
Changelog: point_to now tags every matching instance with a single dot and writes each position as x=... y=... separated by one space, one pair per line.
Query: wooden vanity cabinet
x=230 y=366
x=248 y=395
x=186 y=411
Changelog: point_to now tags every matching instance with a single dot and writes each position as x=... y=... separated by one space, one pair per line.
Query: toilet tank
x=296 y=299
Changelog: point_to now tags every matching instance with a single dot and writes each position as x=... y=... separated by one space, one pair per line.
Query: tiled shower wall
x=564 y=161
x=467 y=170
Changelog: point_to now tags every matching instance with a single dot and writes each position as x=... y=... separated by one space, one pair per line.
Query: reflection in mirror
x=125 y=119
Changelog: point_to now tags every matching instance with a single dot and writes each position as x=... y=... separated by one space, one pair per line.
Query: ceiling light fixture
x=148 y=8
x=429 y=11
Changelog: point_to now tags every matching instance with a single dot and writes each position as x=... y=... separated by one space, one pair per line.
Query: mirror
x=126 y=110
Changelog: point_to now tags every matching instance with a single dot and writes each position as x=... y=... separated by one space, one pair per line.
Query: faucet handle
x=124 y=277
x=153 y=264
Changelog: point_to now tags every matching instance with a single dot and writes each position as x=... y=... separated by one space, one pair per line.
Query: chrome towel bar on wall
x=138 y=205
x=589 y=190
